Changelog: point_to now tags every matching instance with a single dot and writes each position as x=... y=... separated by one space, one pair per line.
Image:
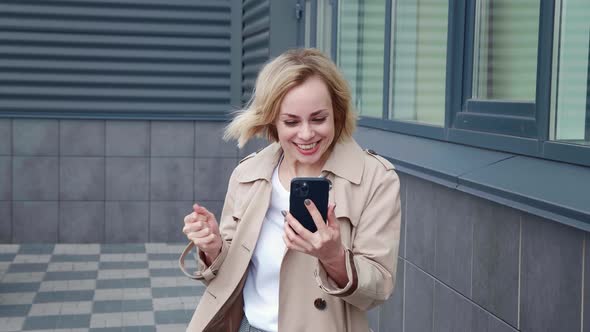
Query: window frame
x=521 y=127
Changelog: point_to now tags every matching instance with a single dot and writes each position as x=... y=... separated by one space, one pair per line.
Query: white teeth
x=307 y=146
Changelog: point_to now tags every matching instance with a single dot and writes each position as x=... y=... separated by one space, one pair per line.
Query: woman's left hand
x=325 y=243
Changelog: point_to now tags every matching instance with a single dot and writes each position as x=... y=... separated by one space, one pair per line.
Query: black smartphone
x=315 y=189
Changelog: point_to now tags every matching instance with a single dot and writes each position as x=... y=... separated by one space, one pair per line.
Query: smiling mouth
x=306 y=147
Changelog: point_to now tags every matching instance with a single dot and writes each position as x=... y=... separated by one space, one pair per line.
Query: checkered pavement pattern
x=95 y=287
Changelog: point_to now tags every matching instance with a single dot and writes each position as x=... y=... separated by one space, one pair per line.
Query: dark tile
x=551 y=276
x=127 y=138
x=454 y=239
x=122 y=265
x=161 y=292
x=70 y=275
x=173 y=138
x=14 y=310
x=162 y=257
x=170 y=179
x=373 y=317
x=391 y=318
x=37 y=137
x=495 y=259
x=403 y=193
x=173 y=316
x=421 y=220
x=483 y=321
x=123 y=283
x=209 y=141
x=27 y=267
x=419 y=299
x=127 y=179
x=253 y=145
x=586 y=313
x=38 y=216
x=36 y=249
x=167 y=220
x=452 y=311
x=166 y=273
x=57 y=322
x=5 y=136
x=7 y=257
x=126 y=222
x=122 y=306
x=125 y=329
x=81 y=222
x=75 y=258
x=211 y=177
x=82 y=179
x=19 y=287
x=35 y=178
x=128 y=248
x=5 y=222
x=64 y=296
x=82 y=138
x=73 y=321
x=5 y=178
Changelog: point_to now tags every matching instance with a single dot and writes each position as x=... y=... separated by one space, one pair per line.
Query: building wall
x=108 y=181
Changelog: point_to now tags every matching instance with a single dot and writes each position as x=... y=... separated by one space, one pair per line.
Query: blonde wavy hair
x=278 y=77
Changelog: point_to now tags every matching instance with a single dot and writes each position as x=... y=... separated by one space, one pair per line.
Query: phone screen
x=315 y=189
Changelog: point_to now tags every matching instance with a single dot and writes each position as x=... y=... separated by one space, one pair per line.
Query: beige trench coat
x=365 y=189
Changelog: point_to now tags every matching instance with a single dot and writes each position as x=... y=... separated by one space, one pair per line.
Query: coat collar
x=346 y=161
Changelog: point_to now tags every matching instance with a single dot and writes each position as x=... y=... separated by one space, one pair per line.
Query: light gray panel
x=81 y=222
x=171 y=179
x=126 y=222
x=5 y=222
x=172 y=139
x=253 y=145
x=586 y=295
x=167 y=220
x=35 y=222
x=127 y=138
x=454 y=237
x=127 y=179
x=483 y=321
x=495 y=259
x=82 y=138
x=373 y=317
x=211 y=177
x=551 y=276
x=452 y=312
x=209 y=141
x=421 y=221
x=82 y=178
x=391 y=318
x=35 y=137
x=419 y=299
x=35 y=178
x=5 y=136
x=5 y=178
x=403 y=200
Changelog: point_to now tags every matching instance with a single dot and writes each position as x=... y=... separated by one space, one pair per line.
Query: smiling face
x=305 y=124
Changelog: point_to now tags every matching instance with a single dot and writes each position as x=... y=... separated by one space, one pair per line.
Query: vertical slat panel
x=118 y=57
x=255 y=42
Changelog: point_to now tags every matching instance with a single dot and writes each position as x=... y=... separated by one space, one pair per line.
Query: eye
x=319 y=120
x=290 y=123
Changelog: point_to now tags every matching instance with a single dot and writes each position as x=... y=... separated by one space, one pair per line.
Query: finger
x=298 y=228
x=290 y=245
x=203 y=242
x=190 y=218
x=332 y=222
x=320 y=223
x=209 y=218
x=201 y=233
x=296 y=239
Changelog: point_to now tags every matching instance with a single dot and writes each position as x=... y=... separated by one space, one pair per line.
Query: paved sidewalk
x=95 y=287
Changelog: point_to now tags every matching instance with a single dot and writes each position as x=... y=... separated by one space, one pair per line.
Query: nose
x=306 y=132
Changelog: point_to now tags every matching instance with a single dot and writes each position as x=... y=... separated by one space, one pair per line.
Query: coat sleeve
x=227 y=228
x=371 y=262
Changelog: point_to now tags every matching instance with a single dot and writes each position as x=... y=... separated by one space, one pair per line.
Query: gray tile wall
x=109 y=181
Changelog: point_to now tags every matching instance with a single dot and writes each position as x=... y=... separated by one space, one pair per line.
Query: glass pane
x=361 y=34
x=418 y=61
x=571 y=115
x=505 y=58
x=324 y=33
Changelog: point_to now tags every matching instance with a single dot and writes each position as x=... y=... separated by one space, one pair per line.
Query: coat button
x=320 y=303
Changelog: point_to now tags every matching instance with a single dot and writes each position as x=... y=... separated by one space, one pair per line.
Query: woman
x=263 y=270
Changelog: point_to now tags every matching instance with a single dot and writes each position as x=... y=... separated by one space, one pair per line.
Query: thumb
x=332 y=222
x=209 y=218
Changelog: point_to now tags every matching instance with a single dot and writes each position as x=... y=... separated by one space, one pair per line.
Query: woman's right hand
x=201 y=228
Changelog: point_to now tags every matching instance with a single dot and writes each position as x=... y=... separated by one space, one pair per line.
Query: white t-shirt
x=261 y=290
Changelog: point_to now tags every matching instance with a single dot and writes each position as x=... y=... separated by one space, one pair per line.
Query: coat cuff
x=204 y=272
x=329 y=286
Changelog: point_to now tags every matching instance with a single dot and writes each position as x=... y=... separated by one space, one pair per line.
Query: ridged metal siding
x=255 y=42
x=120 y=56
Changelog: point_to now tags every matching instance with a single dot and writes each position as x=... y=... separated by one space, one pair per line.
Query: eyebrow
x=312 y=114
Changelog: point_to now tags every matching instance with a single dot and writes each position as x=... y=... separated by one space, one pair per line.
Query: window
x=571 y=111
